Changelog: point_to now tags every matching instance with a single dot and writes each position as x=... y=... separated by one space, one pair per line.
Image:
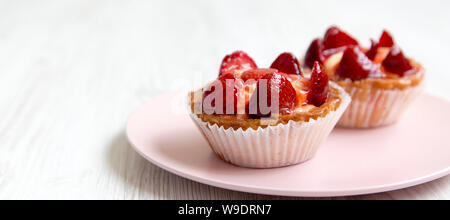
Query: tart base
x=379 y=102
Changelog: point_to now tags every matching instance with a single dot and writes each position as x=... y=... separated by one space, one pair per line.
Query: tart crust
x=244 y=122
x=381 y=101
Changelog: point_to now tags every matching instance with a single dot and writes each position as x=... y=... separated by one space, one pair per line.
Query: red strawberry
x=372 y=53
x=287 y=63
x=334 y=38
x=229 y=87
x=397 y=63
x=329 y=52
x=356 y=66
x=281 y=87
x=238 y=60
x=319 y=89
x=314 y=53
x=386 y=40
x=256 y=73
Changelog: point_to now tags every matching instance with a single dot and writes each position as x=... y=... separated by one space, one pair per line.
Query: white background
x=72 y=71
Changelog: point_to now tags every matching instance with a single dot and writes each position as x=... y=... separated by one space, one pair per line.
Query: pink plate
x=351 y=162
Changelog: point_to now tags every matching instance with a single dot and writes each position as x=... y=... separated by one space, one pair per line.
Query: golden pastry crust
x=378 y=101
x=243 y=121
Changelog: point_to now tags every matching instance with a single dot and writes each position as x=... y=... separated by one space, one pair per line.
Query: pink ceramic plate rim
x=283 y=192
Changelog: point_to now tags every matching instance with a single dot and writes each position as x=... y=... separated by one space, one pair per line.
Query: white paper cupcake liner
x=273 y=146
x=376 y=107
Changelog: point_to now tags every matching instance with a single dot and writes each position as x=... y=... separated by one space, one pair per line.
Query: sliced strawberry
x=386 y=40
x=281 y=87
x=256 y=73
x=397 y=63
x=314 y=53
x=238 y=60
x=372 y=53
x=287 y=63
x=330 y=52
x=334 y=38
x=229 y=86
x=356 y=66
x=319 y=88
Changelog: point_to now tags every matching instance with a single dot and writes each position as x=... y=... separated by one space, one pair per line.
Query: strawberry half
x=229 y=86
x=356 y=66
x=372 y=53
x=238 y=60
x=287 y=63
x=319 y=88
x=396 y=62
x=281 y=87
x=335 y=37
x=314 y=53
x=386 y=40
x=256 y=73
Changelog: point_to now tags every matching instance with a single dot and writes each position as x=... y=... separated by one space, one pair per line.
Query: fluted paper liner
x=374 y=107
x=273 y=146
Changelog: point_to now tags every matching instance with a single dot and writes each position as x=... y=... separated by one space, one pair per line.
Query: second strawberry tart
x=381 y=80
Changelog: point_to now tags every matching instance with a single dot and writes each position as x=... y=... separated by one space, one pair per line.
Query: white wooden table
x=72 y=71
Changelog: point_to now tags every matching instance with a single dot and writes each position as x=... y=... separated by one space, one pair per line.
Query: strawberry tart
x=267 y=117
x=381 y=80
